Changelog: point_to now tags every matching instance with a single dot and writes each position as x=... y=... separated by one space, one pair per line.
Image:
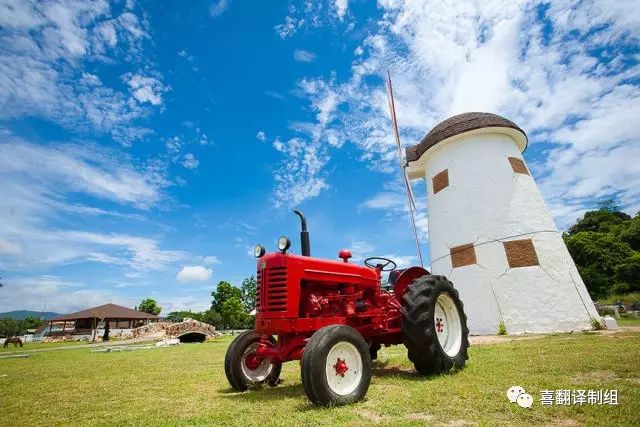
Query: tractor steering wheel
x=387 y=262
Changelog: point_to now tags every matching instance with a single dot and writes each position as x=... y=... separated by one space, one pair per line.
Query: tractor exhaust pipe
x=305 y=246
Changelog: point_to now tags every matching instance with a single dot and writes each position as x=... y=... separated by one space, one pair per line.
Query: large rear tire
x=434 y=325
x=336 y=366
x=243 y=370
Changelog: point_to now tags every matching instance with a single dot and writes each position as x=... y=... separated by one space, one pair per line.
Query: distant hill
x=21 y=314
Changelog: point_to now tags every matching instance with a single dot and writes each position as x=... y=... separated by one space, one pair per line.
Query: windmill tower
x=490 y=232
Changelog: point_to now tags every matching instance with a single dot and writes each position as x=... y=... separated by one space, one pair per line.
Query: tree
x=596 y=256
x=628 y=273
x=605 y=245
x=9 y=327
x=249 y=287
x=179 y=316
x=150 y=306
x=32 y=322
x=630 y=233
x=211 y=317
x=599 y=221
x=233 y=314
x=224 y=291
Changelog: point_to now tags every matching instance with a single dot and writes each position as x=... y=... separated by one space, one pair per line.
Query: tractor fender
x=406 y=278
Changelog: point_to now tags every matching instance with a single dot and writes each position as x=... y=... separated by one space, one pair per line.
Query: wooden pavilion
x=111 y=315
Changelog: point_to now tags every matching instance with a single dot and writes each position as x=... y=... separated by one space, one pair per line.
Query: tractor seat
x=391 y=279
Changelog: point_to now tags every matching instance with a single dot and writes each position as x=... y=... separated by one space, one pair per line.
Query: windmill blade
x=410 y=200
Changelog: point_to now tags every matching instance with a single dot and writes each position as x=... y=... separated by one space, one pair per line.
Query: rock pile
x=161 y=330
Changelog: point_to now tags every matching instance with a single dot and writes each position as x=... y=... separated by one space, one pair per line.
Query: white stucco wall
x=487 y=203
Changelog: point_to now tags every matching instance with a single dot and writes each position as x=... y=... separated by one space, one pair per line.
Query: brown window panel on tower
x=463 y=255
x=521 y=253
x=440 y=181
x=518 y=165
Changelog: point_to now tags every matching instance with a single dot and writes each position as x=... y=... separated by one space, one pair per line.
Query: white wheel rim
x=261 y=372
x=447 y=324
x=343 y=355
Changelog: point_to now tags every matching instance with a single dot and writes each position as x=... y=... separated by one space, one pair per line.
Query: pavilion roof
x=106 y=311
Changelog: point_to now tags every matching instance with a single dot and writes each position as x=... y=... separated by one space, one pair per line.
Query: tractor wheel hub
x=253 y=361
x=341 y=367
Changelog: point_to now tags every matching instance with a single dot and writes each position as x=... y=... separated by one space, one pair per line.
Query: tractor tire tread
x=233 y=357
x=418 y=327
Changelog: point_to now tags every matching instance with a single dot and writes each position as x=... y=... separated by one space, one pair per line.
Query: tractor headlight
x=259 y=251
x=284 y=243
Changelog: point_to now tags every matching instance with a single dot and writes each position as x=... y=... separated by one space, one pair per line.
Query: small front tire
x=242 y=371
x=336 y=366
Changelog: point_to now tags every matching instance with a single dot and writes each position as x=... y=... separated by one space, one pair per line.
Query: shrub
x=502 y=330
x=597 y=325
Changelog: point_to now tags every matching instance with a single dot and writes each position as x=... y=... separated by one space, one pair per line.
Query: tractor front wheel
x=434 y=325
x=336 y=366
x=244 y=368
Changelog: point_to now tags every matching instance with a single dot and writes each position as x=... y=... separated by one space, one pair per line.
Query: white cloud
x=302 y=55
x=193 y=303
x=341 y=7
x=361 y=250
x=218 y=7
x=140 y=253
x=211 y=259
x=564 y=72
x=7 y=247
x=194 y=273
x=313 y=14
x=38 y=185
x=90 y=170
x=386 y=200
x=299 y=176
x=393 y=202
x=261 y=136
x=53 y=293
x=145 y=89
x=190 y=162
x=44 y=47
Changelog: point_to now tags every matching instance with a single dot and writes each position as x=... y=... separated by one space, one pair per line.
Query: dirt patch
x=496 y=339
x=370 y=416
x=419 y=416
x=457 y=423
x=595 y=376
x=568 y=422
x=622 y=332
x=621 y=329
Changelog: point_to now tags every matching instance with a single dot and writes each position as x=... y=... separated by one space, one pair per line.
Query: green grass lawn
x=186 y=385
x=628 y=321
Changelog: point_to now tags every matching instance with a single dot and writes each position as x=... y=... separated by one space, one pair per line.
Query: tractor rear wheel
x=434 y=325
x=336 y=366
x=244 y=369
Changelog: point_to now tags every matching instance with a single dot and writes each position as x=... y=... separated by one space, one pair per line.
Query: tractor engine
x=299 y=294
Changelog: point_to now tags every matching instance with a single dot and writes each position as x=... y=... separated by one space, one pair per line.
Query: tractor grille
x=271 y=294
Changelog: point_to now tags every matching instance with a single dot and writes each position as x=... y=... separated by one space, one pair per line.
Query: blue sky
x=146 y=147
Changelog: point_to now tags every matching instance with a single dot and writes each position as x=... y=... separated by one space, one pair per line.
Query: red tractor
x=334 y=316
